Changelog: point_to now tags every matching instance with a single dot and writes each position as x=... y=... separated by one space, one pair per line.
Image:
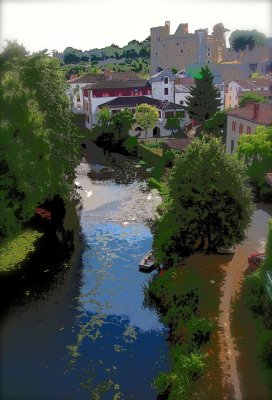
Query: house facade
x=163 y=85
x=75 y=86
x=245 y=120
x=166 y=109
x=97 y=94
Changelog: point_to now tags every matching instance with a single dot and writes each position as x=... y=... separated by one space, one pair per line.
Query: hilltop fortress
x=184 y=48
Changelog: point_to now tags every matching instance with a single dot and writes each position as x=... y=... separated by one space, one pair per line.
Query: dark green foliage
x=254 y=292
x=204 y=98
x=256 y=151
x=173 y=124
x=113 y=131
x=175 y=295
x=209 y=201
x=39 y=143
x=217 y=125
x=265 y=347
x=240 y=39
x=251 y=96
x=73 y=56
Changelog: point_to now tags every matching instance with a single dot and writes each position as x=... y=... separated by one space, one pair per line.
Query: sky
x=87 y=24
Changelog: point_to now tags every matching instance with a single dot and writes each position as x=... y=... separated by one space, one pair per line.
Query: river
x=88 y=336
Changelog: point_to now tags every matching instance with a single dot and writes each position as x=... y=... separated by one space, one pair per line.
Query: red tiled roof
x=89 y=78
x=254 y=83
x=178 y=144
x=259 y=113
x=107 y=76
x=264 y=93
x=245 y=84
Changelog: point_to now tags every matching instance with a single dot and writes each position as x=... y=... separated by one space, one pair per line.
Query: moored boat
x=148 y=261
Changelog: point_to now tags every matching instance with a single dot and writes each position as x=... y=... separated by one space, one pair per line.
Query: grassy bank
x=160 y=161
x=15 y=251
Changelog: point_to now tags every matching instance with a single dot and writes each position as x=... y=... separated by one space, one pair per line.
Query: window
x=166 y=91
x=233 y=126
x=166 y=80
x=248 y=130
x=232 y=145
x=241 y=129
x=181 y=102
x=208 y=54
x=181 y=51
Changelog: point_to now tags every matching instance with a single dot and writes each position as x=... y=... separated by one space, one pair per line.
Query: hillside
x=132 y=57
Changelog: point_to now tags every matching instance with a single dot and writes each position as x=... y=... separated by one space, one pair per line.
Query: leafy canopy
x=209 y=201
x=39 y=142
x=256 y=151
x=217 y=125
x=204 y=99
x=239 y=39
x=251 y=96
x=146 y=116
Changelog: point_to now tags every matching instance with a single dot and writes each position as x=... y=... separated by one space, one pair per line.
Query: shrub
x=266 y=347
x=131 y=144
x=254 y=292
x=198 y=331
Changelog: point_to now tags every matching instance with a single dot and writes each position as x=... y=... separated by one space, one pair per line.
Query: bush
x=131 y=144
x=198 y=331
x=254 y=293
x=266 y=347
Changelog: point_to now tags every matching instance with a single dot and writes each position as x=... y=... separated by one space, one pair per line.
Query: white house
x=166 y=109
x=163 y=85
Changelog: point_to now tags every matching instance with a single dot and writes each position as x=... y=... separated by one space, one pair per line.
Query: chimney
x=256 y=107
x=108 y=74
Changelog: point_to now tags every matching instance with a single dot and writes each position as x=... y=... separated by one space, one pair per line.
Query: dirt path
x=228 y=354
x=222 y=276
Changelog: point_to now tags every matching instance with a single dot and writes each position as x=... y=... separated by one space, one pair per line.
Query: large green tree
x=146 y=116
x=39 y=142
x=217 y=125
x=204 y=99
x=209 y=202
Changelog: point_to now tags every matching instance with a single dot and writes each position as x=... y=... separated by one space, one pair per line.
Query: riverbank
x=29 y=262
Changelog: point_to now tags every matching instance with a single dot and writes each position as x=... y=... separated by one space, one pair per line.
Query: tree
x=209 y=202
x=217 y=125
x=240 y=39
x=256 y=151
x=39 y=142
x=113 y=129
x=173 y=124
x=71 y=56
x=103 y=116
x=251 y=96
x=204 y=99
x=146 y=116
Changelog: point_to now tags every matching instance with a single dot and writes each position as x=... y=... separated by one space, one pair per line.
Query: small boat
x=148 y=261
x=226 y=250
